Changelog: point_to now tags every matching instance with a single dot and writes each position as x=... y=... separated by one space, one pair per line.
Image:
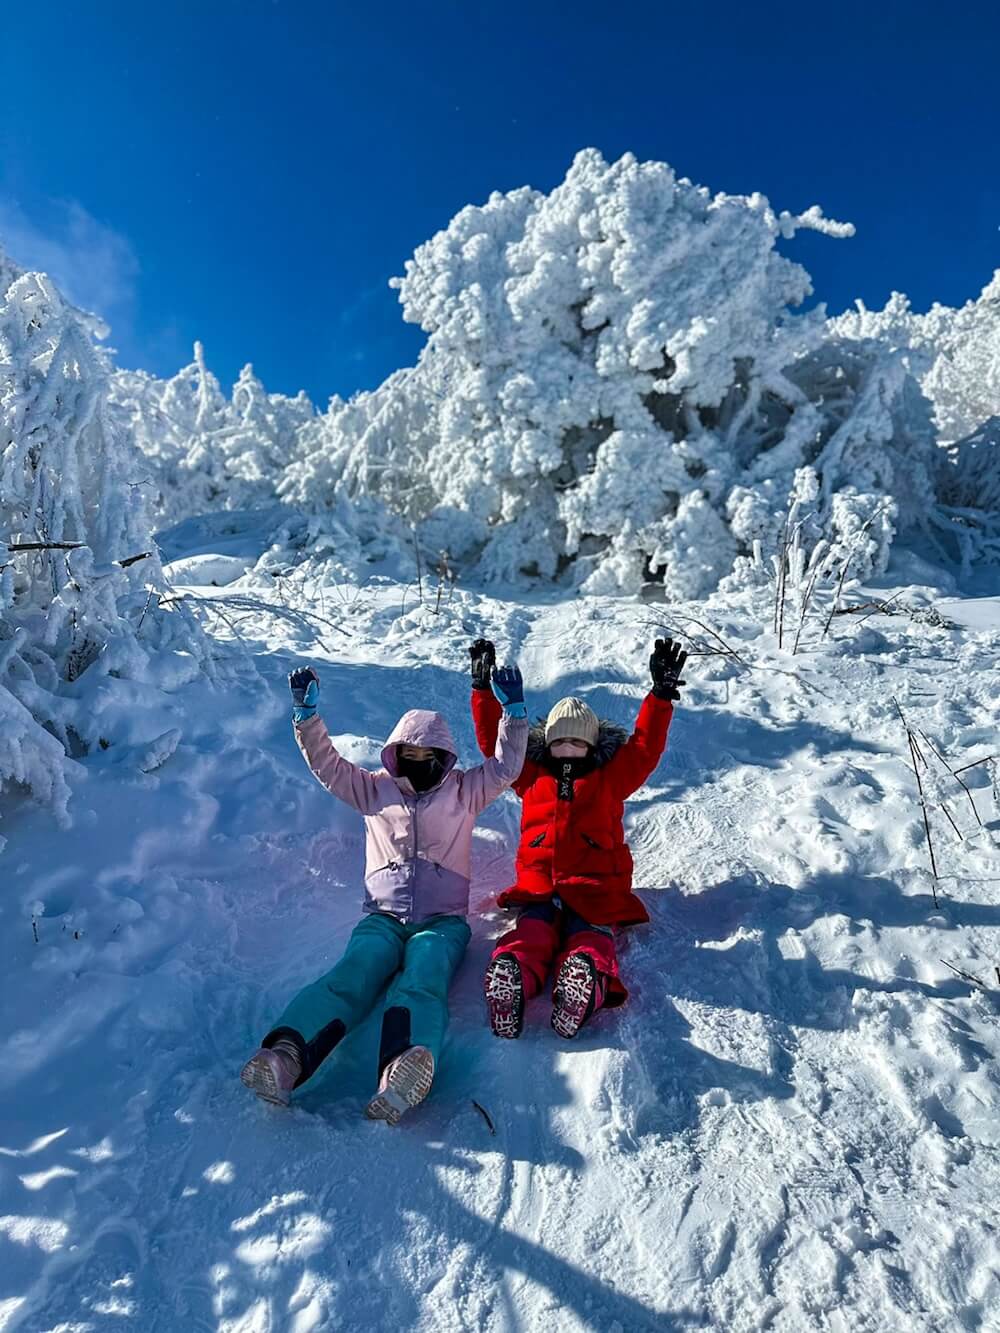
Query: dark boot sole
x=574 y=994
x=503 y=987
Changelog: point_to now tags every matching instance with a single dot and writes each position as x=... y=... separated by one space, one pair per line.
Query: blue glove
x=508 y=687
x=304 y=684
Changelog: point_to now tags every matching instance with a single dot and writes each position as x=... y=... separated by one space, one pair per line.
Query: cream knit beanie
x=571 y=719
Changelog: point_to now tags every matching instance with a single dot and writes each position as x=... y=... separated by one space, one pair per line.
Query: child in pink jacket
x=419 y=811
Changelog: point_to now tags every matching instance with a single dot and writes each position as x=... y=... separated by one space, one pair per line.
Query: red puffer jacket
x=572 y=839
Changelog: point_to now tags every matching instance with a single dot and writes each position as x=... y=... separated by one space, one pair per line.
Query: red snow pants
x=546 y=934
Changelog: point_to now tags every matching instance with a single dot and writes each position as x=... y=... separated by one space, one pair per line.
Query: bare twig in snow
x=955 y=775
x=975 y=764
x=966 y=976
x=486 y=1116
x=45 y=546
x=420 y=575
x=915 y=759
x=846 y=566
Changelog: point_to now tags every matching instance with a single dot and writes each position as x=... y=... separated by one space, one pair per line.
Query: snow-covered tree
x=259 y=438
x=958 y=351
x=616 y=389
x=9 y=271
x=172 y=421
x=79 y=617
x=954 y=355
x=203 y=450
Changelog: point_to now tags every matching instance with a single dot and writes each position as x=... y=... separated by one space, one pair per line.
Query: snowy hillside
x=793 y=1124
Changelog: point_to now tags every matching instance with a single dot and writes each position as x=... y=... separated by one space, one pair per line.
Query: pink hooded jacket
x=418 y=844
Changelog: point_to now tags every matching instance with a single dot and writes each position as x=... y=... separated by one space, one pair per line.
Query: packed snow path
x=792 y=1125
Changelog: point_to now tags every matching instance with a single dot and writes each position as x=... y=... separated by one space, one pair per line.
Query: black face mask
x=573 y=768
x=423 y=773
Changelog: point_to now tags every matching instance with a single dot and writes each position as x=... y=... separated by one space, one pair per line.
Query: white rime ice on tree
x=70 y=614
x=205 y=451
x=959 y=353
x=955 y=357
x=615 y=389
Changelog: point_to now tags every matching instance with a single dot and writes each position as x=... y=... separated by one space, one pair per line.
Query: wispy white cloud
x=92 y=264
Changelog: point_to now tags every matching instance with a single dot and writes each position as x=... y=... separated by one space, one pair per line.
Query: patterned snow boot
x=405 y=1082
x=271 y=1074
x=578 y=993
x=504 y=990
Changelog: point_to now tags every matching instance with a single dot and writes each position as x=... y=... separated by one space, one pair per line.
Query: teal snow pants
x=419 y=959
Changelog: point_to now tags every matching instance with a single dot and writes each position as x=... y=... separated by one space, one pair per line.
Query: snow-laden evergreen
x=206 y=451
x=960 y=353
x=82 y=634
x=955 y=356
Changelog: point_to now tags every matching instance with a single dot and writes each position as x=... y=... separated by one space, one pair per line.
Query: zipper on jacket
x=413 y=861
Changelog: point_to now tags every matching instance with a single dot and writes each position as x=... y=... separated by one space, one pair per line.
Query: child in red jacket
x=574 y=868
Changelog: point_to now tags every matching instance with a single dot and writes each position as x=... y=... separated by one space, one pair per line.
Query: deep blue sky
x=251 y=173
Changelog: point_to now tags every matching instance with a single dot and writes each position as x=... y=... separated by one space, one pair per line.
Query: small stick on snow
x=486 y=1116
x=966 y=976
x=975 y=764
x=881 y=608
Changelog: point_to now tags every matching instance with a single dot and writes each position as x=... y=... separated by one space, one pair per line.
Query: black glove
x=484 y=659
x=665 y=666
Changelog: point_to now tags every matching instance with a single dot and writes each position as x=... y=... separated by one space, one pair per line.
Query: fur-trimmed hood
x=610 y=738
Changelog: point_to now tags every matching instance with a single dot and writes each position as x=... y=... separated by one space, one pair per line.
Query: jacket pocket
x=537 y=842
x=604 y=845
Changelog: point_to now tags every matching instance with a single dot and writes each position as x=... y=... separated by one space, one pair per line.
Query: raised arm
x=351 y=784
x=641 y=753
x=486 y=708
x=485 y=783
x=486 y=715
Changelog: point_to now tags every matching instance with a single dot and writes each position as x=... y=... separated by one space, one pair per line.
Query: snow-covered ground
x=794 y=1124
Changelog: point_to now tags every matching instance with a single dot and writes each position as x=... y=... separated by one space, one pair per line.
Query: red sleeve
x=486 y=713
x=640 y=754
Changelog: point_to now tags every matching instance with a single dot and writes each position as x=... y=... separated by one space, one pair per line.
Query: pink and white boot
x=405 y=1082
x=271 y=1074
